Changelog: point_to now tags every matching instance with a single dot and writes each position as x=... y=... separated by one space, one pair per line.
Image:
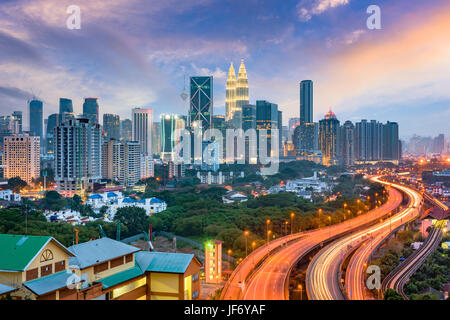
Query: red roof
x=436 y=213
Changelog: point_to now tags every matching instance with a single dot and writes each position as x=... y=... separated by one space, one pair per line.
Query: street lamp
x=320 y=213
x=246 y=236
x=268 y=235
x=267 y=226
x=229 y=257
x=253 y=245
x=285 y=227
x=292 y=221
x=300 y=288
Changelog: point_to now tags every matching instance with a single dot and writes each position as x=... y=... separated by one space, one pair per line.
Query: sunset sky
x=135 y=53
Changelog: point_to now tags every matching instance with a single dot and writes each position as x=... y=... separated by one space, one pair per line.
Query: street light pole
x=292 y=222
x=246 y=235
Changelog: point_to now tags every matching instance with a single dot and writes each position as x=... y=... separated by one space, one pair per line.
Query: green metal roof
x=120 y=277
x=50 y=283
x=18 y=251
x=163 y=261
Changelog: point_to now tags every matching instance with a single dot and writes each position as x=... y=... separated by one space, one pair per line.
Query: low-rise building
x=234 y=197
x=41 y=268
x=115 y=200
x=9 y=195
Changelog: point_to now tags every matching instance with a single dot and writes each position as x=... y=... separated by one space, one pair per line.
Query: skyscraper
x=65 y=110
x=230 y=99
x=347 y=143
x=306 y=139
x=391 y=142
x=368 y=141
x=90 y=109
x=35 y=120
x=306 y=101
x=156 y=139
x=111 y=126
x=266 y=118
x=328 y=138
x=201 y=101
x=142 y=129
x=170 y=123
x=126 y=126
x=248 y=117
x=22 y=157
x=242 y=95
x=78 y=156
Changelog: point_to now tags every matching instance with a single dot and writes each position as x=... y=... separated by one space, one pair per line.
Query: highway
x=323 y=273
x=269 y=281
x=399 y=276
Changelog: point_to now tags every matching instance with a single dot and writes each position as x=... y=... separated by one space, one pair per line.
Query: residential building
x=22 y=157
x=121 y=162
x=328 y=138
x=78 y=156
x=142 y=129
x=347 y=143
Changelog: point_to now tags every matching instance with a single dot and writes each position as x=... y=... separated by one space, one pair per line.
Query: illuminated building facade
x=170 y=123
x=328 y=138
x=21 y=157
x=230 y=99
x=213 y=261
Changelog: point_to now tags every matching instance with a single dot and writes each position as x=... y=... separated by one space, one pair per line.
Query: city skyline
x=147 y=62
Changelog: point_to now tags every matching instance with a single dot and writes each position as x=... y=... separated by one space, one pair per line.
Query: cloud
x=307 y=8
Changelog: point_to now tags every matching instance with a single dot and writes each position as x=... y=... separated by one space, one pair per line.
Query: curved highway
x=269 y=281
x=322 y=278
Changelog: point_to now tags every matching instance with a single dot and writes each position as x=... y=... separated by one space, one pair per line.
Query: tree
x=134 y=218
x=16 y=184
x=53 y=201
x=391 y=294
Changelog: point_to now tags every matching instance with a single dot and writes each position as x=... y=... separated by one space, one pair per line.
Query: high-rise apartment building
x=121 y=162
x=328 y=138
x=36 y=120
x=306 y=101
x=78 y=156
x=368 y=141
x=90 y=110
x=391 y=142
x=22 y=157
x=347 y=143
x=156 y=139
x=111 y=126
x=142 y=129
x=201 y=101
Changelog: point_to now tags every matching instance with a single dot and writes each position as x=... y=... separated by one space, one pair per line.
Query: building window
x=101 y=267
x=60 y=266
x=116 y=262
x=46 y=270
x=32 y=274
x=128 y=258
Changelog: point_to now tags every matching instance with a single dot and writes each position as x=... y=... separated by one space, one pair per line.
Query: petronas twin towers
x=236 y=95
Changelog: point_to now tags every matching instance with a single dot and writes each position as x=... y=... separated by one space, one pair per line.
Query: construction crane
x=102 y=232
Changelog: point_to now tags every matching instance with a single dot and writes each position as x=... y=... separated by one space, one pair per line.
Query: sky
x=138 y=53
